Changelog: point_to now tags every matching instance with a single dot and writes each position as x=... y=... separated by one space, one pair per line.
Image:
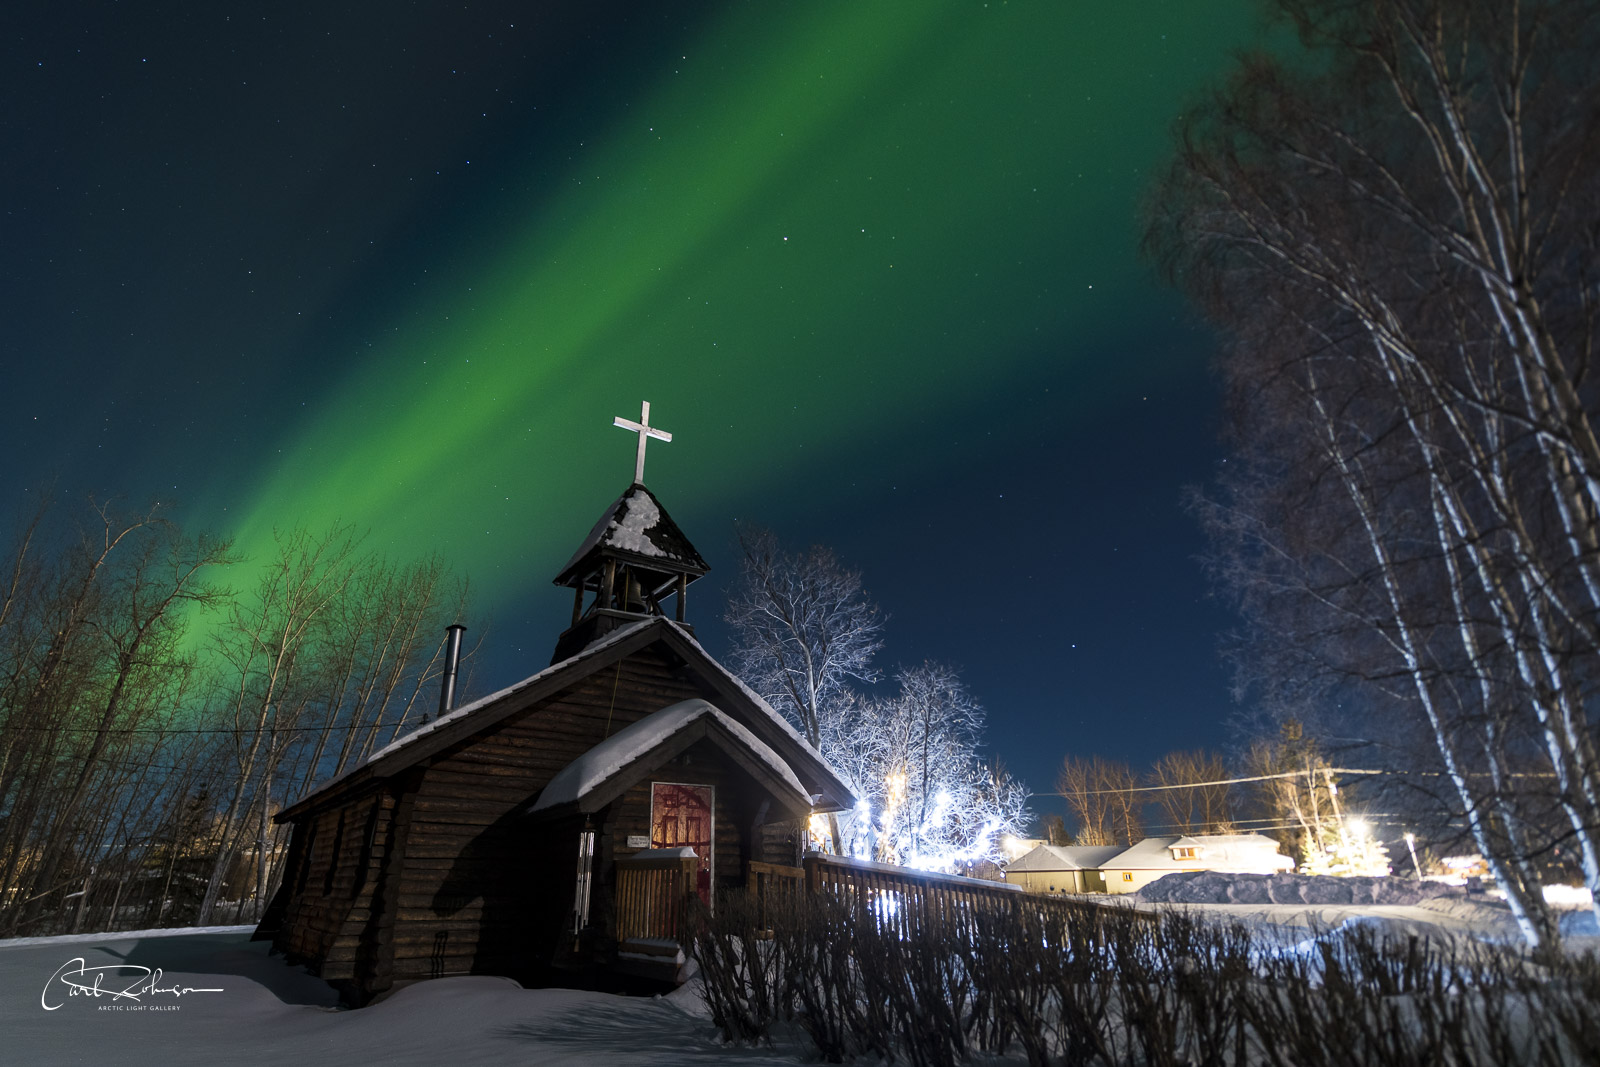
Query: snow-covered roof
x=636 y=524
x=604 y=761
x=751 y=695
x=1064 y=858
x=839 y=792
x=614 y=637
x=1219 y=852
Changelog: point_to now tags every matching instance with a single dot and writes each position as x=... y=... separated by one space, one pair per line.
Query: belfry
x=633 y=560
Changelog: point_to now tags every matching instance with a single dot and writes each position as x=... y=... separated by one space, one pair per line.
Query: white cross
x=645 y=431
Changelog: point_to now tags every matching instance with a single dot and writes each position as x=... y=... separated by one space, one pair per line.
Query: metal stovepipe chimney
x=452 y=663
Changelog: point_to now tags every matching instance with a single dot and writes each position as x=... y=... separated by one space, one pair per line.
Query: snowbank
x=266 y=1011
x=1216 y=887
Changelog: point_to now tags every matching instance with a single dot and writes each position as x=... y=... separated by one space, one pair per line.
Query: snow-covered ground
x=1288 y=909
x=268 y=1012
x=264 y=1010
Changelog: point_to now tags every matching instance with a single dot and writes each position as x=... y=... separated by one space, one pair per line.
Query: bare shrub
x=1072 y=982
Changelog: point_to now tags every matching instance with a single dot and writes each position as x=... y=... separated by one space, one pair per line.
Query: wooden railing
x=903 y=899
x=772 y=887
x=653 y=891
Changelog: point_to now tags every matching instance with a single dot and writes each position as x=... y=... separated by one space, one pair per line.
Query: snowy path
x=268 y=1012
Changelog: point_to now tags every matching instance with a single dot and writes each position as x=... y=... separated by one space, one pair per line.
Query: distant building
x=1155 y=857
x=1062 y=868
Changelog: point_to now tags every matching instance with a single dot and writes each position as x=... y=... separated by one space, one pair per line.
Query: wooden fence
x=653 y=892
x=902 y=899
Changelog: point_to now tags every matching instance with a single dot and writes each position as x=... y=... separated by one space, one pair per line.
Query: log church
x=551 y=831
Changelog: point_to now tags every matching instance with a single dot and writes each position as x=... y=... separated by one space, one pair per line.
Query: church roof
x=596 y=777
x=637 y=530
x=737 y=701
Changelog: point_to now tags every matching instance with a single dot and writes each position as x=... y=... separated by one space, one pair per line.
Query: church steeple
x=632 y=562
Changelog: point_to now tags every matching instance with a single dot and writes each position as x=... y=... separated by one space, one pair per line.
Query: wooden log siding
x=326 y=918
x=464 y=825
x=459 y=878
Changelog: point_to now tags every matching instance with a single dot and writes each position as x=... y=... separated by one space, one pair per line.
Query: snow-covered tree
x=1352 y=852
x=803 y=630
x=927 y=799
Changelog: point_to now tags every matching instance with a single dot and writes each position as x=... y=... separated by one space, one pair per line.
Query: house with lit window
x=530 y=833
x=1134 y=868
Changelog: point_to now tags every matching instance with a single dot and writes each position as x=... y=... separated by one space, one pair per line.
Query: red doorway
x=681 y=815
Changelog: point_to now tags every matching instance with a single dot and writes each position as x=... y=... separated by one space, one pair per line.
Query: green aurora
x=874 y=265
x=824 y=222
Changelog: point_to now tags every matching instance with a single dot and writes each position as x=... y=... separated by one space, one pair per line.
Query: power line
x=1219 y=781
x=1285 y=774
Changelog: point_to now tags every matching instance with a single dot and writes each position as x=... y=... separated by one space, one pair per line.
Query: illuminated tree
x=928 y=800
x=803 y=631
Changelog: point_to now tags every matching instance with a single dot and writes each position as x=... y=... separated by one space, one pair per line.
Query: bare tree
x=143 y=673
x=928 y=799
x=1105 y=798
x=1399 y=241
x=140 y=766
x=330 y=652
x=1193 y=794
x=271 y=648
x=92 y=634
x=803 y=629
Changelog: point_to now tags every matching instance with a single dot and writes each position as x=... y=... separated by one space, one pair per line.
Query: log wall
x=334 y=884
x=439 y=871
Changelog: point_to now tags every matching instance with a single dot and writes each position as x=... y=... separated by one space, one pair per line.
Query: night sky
x=874 y=265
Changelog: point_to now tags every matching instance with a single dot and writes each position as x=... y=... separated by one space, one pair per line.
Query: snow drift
x=1215 y=887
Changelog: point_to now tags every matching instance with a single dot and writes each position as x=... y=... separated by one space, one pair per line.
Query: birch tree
x=1397 y=235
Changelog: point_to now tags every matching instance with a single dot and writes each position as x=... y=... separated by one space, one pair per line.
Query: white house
x=1155 y=857
x=1062 y=868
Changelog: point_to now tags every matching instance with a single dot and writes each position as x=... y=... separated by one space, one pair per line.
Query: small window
x=1183 y=853
x=1127 y=876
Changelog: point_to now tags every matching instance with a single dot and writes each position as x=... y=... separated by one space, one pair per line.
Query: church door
x=681 y=815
